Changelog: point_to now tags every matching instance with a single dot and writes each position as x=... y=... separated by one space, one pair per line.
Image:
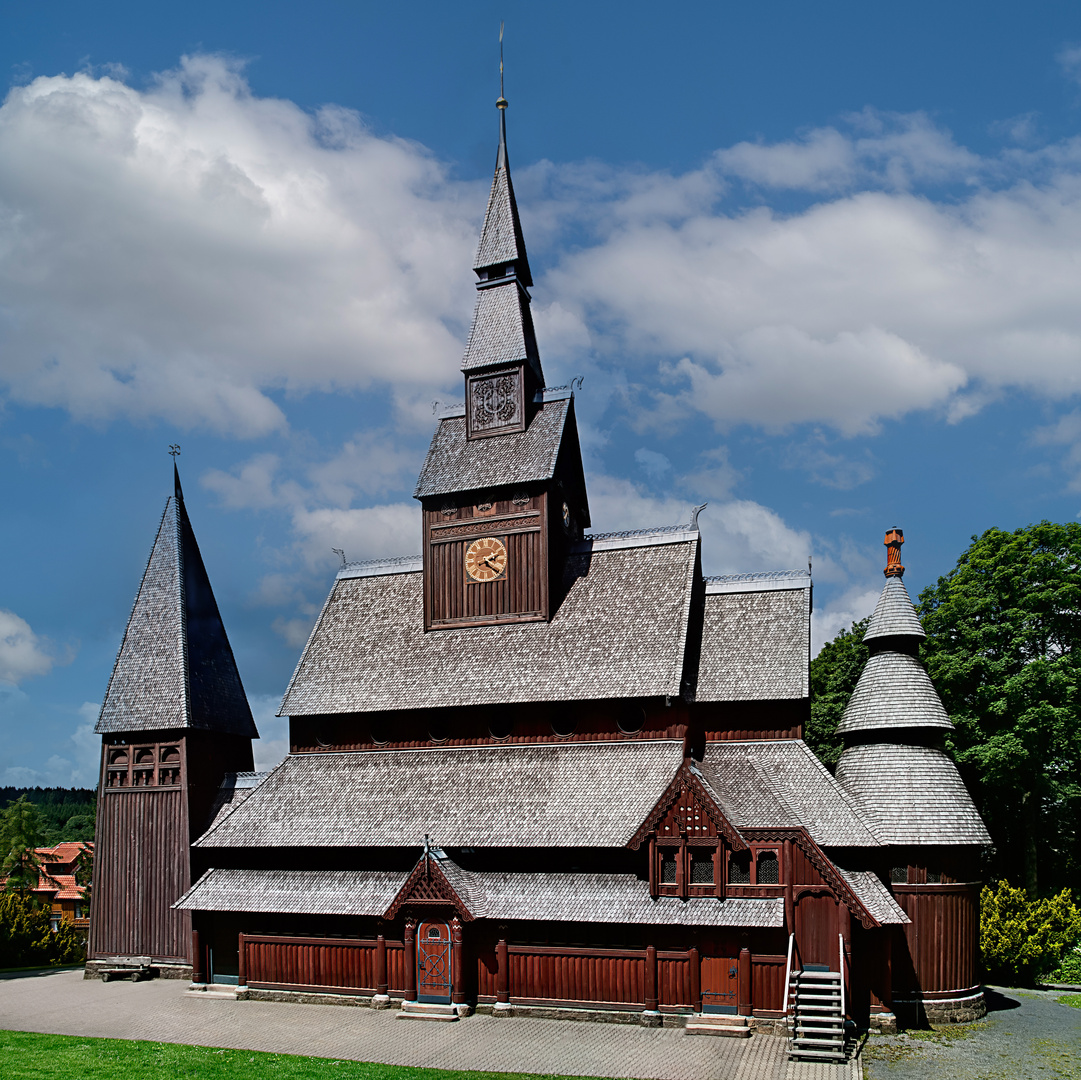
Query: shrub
x=26 y=939
x=1021 y=939
x=1069 y=970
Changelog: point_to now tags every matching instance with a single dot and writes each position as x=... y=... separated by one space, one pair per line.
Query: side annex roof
x=756 y=637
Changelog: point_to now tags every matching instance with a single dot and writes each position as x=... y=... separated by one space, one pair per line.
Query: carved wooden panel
x=495 y=403
x=686 y=816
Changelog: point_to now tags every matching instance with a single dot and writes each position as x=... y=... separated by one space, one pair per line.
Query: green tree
x=834 y=674
x=26 y=938
x=20 y=834
x=1004 y=630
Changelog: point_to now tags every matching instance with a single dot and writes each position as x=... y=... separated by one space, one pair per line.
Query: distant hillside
x=66 y=813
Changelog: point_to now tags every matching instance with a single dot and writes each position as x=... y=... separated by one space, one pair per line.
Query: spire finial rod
x=174 y=451
x=502 y=102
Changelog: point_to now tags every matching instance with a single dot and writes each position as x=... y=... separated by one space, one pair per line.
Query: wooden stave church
x=570 y=757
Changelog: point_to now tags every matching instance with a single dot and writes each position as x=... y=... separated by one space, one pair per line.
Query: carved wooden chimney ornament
x=894 y=539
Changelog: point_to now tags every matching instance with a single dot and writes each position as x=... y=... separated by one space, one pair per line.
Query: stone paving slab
x=63 y=1003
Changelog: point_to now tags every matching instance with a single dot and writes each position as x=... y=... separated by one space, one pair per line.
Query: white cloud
x=177 y=252
x=76 y=764
x=827 y=622
x=23 y=654
x=273 y=742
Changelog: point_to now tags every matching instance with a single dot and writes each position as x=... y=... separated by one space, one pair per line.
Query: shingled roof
x=538 y=795
x=894 y=615
x=756 y=638
x=502 y=330
x=596 y=898
x=874 y=896
x=175 y=668
x=501 y=235
x=781 y=784
x=913 y=793
x=620 y=632
x=457 y=464
x=893 y=691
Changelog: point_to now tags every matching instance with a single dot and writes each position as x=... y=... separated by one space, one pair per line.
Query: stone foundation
x=919 y=1013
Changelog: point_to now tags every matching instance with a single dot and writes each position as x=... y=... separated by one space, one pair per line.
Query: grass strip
x=30 y=1056
x=1070 y=999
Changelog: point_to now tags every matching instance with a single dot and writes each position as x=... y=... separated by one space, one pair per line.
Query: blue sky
x=819 y=265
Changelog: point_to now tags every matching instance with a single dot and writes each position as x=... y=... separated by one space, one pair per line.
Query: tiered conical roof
x=910 y=789
x=502 y=321
x=175 y=668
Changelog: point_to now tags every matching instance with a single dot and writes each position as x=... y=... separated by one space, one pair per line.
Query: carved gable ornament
x=428 y=886
x=687 y=809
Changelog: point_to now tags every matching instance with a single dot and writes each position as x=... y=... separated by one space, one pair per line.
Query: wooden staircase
x=815 y=1007
x=817 y=1021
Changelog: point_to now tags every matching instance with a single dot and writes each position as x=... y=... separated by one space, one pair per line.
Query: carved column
x=651 y=978
x=654 y=872
x=242 y=966
x=744 y=978
x=198 y=960
x=502 y=972
x=789 y=889
x=696 y=980
x=681 y=868
x=457 y=963
x=410 y=959
x=381 y=965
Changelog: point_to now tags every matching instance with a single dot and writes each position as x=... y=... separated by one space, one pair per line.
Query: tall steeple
x=175 y=668
x=502 y=365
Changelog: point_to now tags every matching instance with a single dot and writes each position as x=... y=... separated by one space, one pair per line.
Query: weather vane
x=174 y=450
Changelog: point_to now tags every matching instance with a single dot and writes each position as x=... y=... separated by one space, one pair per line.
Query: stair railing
x=841 y=969
x=788 y=980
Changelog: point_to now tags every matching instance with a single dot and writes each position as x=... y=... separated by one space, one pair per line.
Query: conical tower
x=174 y=721
x=895 y=765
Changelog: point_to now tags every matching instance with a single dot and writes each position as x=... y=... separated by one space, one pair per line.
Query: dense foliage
x=834 y=674
x=1004 y=652
x=20 y=833
x=1021 y=939
x=65 y=813
x=26 y=938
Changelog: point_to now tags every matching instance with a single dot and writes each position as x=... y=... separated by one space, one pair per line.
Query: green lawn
x=27 y=1056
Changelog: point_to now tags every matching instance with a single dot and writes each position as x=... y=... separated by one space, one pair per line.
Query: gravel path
x=1027 y=1035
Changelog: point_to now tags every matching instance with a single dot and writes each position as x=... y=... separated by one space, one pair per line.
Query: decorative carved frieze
x=518 y=523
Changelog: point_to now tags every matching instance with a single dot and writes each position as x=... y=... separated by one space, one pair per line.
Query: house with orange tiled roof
x=57 y=886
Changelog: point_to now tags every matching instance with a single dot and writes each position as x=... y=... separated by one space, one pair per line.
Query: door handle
x=732 y=972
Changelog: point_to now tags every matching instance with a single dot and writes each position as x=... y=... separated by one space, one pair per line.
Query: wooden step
x=425 y=1010
x=818 y=1055
x=808 y=1042
x=724 y=1024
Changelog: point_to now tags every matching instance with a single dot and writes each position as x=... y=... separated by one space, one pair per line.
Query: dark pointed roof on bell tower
x=501 y=237
x=175 y=668
x=502 y=331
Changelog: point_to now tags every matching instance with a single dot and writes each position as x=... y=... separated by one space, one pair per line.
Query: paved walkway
x=63 y=1003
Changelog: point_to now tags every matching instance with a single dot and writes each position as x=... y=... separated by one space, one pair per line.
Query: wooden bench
x=126 y=967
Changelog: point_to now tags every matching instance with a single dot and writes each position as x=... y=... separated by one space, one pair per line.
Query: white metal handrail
x=788 y=978
x=841 y=969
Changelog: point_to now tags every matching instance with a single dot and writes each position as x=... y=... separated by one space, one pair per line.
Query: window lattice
x=668 y=870
x=739 y=869
x=768 y=868
x=899 y=875
x=701 y=870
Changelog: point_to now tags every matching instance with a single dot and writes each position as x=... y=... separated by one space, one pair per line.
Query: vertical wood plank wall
x=341 y=965
x=767 y=984
x=520 y=591
x=141 y=868
x=942 y=939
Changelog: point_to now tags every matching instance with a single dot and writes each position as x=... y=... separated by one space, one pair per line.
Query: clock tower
x=502 y=487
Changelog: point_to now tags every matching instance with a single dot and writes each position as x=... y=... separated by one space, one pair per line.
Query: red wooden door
x=720 y=976
x=433 y=962
x=816 y=931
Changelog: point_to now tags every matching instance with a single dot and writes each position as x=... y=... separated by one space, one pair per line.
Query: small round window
x=379 y=732
x=438 y=730
x=564 y=722
x=501 y=726
x=631 y=720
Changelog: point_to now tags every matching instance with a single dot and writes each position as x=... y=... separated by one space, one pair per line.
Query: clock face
x=486 y=559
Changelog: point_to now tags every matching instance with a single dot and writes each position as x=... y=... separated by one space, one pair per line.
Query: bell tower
x=174 y=721
x=502 y=487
